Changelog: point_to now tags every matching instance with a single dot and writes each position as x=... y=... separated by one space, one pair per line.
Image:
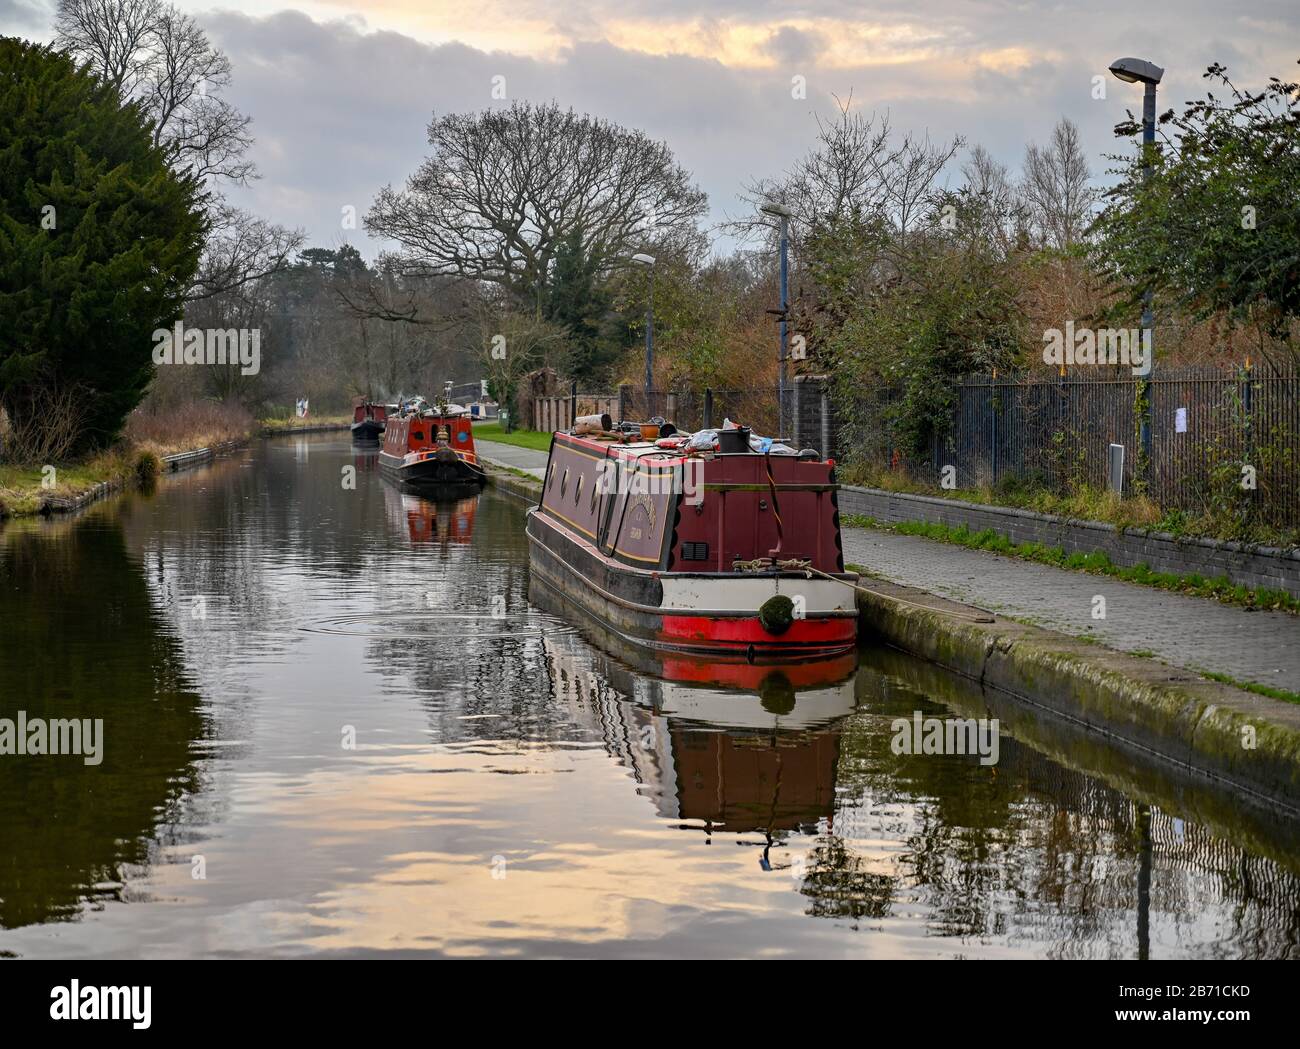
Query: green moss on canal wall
x=515 y=482
x=1247 y=740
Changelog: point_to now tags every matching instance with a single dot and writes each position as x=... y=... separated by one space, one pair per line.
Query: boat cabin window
x=417 y=435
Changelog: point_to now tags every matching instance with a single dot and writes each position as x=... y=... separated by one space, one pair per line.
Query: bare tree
x=1001 y=216
x=511 y=343
x=841 y=175
x=1055 y=187
x=113 y=35
x=502 y=189
x=241 y=249
x=152 y=52
x=204 y=131
x=857 y=170
x=911 y=180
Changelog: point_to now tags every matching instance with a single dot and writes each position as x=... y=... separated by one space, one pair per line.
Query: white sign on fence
x=1180 y=420
x=1116 y=471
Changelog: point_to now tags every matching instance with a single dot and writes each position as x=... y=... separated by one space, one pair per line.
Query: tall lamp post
x=648 y=260
x=1140 y=71
x=783 y=213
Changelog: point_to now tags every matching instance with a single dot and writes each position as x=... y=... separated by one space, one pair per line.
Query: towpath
x=1189 y=632
x=526 y=459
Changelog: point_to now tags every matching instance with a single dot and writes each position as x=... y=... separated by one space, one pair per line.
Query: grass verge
x=534 y=439
x=1127 y=513
x=311 y=422
x=25 y=490
x=1220 y=588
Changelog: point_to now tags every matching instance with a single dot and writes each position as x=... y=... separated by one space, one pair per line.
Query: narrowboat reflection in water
x=426 y=520
x=729 y=748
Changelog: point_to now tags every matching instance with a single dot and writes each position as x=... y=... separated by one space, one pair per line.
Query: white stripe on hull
x=686 y=595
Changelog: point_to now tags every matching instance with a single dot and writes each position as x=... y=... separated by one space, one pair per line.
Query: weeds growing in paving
x=1250 y=686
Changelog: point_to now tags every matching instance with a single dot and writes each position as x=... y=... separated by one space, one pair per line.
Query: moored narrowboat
x=431 y=447
x=679 y=547
x=369 y=420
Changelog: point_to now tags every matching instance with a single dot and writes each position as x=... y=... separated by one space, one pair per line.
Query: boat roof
x=631 y=450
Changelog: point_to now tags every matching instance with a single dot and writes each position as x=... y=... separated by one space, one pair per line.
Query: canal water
x=335 y=723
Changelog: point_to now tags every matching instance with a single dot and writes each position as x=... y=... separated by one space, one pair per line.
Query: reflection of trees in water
x=840 y=884
x=1037 y=853
x=478 y=677
x=80 y=639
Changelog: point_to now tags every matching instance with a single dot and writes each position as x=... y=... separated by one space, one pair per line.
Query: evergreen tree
x=99 y=239
x=579 y=304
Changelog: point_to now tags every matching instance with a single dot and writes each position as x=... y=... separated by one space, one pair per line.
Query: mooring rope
x=776 y=506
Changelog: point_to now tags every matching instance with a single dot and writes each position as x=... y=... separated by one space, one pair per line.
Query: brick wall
x=1253 y=567
x=814 y=416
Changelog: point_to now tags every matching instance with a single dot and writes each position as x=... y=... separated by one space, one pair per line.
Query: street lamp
x=648 y=260
x=784 y=214
x=1140 y=71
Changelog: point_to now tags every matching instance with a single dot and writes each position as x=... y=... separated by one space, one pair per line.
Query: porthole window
x=564 y=482
x=577 y=490
x=550 y=474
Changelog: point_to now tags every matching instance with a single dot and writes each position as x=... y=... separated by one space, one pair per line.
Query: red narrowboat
x=368 y=419
x=431 y=448
x=733 y=555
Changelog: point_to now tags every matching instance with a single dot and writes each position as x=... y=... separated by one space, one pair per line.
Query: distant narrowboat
x=368 y=420
x=732 y=554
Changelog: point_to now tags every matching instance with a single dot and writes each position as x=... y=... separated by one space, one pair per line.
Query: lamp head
x=643 y=259
x=1137 y=70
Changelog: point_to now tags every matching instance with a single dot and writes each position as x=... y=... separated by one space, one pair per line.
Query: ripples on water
x=345 y=706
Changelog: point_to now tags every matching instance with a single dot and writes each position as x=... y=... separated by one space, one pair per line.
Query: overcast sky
x=341 y=94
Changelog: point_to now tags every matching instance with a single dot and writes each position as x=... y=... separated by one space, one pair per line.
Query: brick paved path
x=1190 y=632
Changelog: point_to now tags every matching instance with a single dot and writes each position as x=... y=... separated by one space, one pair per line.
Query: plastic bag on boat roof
x=702 y=441
x=769 y=446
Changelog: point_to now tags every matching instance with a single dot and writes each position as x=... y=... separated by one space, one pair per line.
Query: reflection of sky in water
x=625 y=817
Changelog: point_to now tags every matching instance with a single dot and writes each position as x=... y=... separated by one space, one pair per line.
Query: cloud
x=341 y=109
x=21 y=17
x=794 y=46
x=341 y=96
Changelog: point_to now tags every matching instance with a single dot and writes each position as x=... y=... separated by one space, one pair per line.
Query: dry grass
x=134 y=461
x=22 y=488
x=1086 y=504
x=198 y=424
x=312 y=422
